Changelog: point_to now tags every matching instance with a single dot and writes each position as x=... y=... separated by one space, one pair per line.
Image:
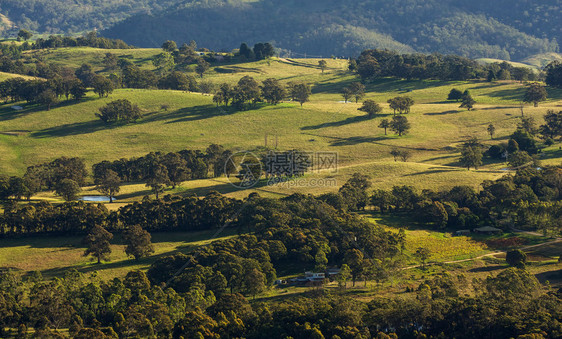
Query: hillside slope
x=502 y=29
x=336 y=28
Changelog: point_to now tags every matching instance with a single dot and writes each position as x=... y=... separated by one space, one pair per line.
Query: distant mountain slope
x=505 y=29
x=71 y=16
x=344 y=28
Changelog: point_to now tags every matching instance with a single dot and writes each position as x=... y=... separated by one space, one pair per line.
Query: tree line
x=372 y=64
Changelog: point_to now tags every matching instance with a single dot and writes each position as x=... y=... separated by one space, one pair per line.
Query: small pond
x=95 y=198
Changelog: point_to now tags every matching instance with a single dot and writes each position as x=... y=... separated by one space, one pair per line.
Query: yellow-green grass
x=74 y=57
x=52 y=256
x=6 y=76
x=192 y=121
x=512 y=63
x=442 y=246
x=541 y=60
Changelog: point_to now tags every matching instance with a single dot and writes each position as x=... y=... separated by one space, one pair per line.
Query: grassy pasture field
x=325 y=124
x=52 y=256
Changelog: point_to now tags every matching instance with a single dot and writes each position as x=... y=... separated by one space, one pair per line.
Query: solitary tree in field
x=422 y=254
x=323 y=65
x=301 y=92
x=471 y=156
x=491 y=130
x=202 y=67
x=138 y=242
x=119 y=110
x=358 y=90
x=384 y=124
x=535 y=93
x=467 y=101
x=400 y=125
x=455 y=94
x=24 y=34
x=109 y=184
x=371 y=108
x=346 y=94
x=516 y=258
x=98 y=244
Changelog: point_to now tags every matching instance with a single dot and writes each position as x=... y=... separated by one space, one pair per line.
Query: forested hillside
x=503 y=29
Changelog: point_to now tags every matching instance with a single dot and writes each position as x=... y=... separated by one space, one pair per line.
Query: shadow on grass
x=347 y=121
x=89 y=268
x=445 y=113
x=554 y=93
x=508 y=94
x=235 y=69
x=182 y=115
x=74 y=129
x=552 y=154
x=554 y=277
x=434 y=171
x=356 y=140
x=381 y=85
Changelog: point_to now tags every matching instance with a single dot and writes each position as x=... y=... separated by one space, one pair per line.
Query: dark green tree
x=554 y=74
x=491 y=130
x=323 y=65
x=103 y=87
x=516 y=258
x=24 y=34
x=471 y=156
x=202 y=67
x=553 y=125
x=301 y=92
x=371 y=108
x=138 y=242
x=109 y=184
x=98 y=242
x=535 y=93
x=169 y=46
x=384 y=124
x=400 y=125
x=48 y=98
x=254 y=282
x=346 y=94
x=68 y=189
x=358 y=91
x=273 y=92
x=119 y=110
x=467 y=101
x=455 y=94
x=158 y=179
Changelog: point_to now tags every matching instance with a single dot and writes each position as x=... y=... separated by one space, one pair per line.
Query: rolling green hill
x=35 y=135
